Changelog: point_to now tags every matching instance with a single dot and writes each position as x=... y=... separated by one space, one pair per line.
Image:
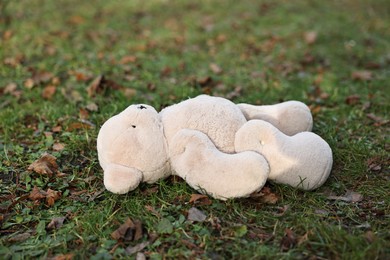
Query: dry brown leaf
x=62 y=257
x=58 y=147
x=56 y=223
x=378 y=120
x=56 y=129
x=362 y=75
x=196 y=215
x=370 y=236
x=128 y=59
x=37 y=194
x=76 y=19
x=310 y=37
x=29 y=83
x=166 y=71
x=83 y=113
x=46 y=165
x=265 y=196
x=95 y=86
x=215 y=68
x=352 y=99
x=129 y=231
x=84 y=124
x=52 y=196
x=374 y=164
x=10 y=88
x=304 y=238
x=92 y=107
x=152 y=210
x=289 y=240
x=49 y=91
x=100 y=84
x=19 y=237
x=200 y=199
x=349 y=196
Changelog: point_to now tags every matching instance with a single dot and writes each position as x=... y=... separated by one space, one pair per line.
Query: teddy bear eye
x=133 y=126
x=141 y=107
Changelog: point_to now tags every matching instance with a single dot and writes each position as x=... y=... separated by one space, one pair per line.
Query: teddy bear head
x=135 y=139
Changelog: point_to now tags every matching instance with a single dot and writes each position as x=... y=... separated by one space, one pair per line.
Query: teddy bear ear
x=121 y=179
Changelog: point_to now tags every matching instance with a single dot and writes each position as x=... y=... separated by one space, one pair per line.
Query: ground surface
x=67 y=66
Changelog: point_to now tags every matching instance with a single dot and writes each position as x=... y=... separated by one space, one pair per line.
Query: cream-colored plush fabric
x=303 y=160
x=218 y=147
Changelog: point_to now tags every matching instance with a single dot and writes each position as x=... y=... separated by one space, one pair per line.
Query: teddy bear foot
x=121 y=179
x=290 y=117
x=196 y=159
x=303 y=160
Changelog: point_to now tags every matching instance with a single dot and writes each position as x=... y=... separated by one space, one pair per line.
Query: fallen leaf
x=10 y=88
x=205 y=81
x=304 y=238
x=235 y=93
x=46 y=165
x=128 y=231
x=92 y=107
x=128 y=59
x=374 y=164
x=378 y=120
x=349 y=196
x=150 y=190
x=19 y=237
x=370 y=236
x=76 y=20
x=82 y=124
x=58 y=147
x=49 y=91
x=62 y=257
x=165 y=72
x=310 y=37
x=37 y=194
x=100 y=84
x=362 y=75
x=265 y=195
x=129 y=92
x=29 y=83
x=215 y=68
x=83 y=113
x=152 y=210
x=196 y=215
x=164 y=226
x=200 y=199
x=52 y=196
x=95 y=86
x=56 y=223
x=289 y=240
x=135 y=249
x=352 y=99
x=57 y=129
x=7 y=35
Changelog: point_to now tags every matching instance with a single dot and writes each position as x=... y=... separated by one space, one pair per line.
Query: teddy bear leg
x=196 y=159
x=290 y=117
x=303 y=160
x=121 y=179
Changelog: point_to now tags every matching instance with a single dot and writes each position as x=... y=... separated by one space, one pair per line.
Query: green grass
x=261 y=49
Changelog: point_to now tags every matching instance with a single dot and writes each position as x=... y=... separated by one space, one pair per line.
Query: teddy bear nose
x=141 y=107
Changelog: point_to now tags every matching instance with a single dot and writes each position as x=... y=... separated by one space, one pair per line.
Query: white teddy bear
x=217 y=147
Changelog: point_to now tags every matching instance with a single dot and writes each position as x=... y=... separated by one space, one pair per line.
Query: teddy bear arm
x=196 y=159
x=290 y=117
x=121 y=179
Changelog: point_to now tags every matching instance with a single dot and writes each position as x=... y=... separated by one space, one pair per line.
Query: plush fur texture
x=219 y=148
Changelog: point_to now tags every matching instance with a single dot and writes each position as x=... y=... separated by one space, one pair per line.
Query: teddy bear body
x=218 y=147
x=218 y=118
